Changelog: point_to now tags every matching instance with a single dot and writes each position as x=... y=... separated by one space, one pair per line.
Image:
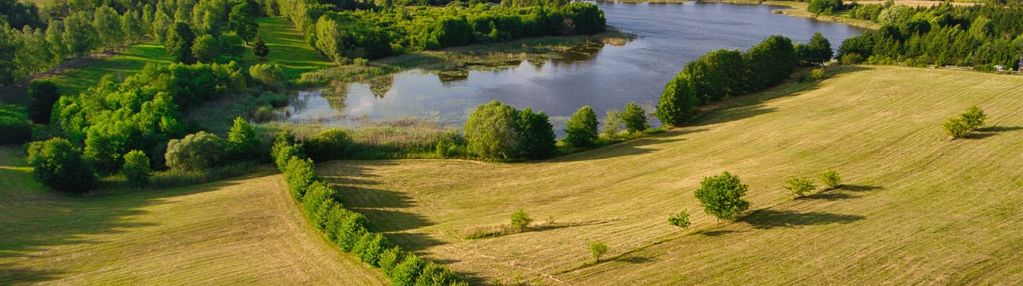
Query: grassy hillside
x=239 y=231
x=287 y=48
x=918 y=208
x=81 y=76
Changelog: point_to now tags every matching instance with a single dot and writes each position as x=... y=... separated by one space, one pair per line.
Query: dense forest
x=980 y=36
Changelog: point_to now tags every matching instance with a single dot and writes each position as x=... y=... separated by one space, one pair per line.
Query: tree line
x=204 y=30
x=343 y=34
x=348 y=229
x=978 y=36
x=721 y=74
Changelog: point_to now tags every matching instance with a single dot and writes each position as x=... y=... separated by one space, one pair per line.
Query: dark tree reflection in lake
x=603 y=76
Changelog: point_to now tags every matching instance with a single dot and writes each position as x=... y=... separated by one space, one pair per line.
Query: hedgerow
x=347 y=229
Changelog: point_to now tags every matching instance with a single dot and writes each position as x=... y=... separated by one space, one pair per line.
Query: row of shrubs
x=346 y=228
x=721 y=74
x=199 y=157
x=496 y=131
x=371 y=34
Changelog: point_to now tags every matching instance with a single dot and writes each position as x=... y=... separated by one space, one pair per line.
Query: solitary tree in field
x=799 y=186
x=721 y=196
x=259 y=48
x=681 y=219
x=582 y=128
x=974 y=117
x=597 y=249
x=831 y=179
x=520 y=220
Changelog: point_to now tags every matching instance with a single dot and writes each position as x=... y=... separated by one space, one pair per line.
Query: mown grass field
x=917 y=209
x=238 y=231
x=288 y=48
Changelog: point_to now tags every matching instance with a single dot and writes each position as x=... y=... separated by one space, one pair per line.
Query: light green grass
x=288 y=48
x=238 y=231
x=81 y=76
x=919 y=209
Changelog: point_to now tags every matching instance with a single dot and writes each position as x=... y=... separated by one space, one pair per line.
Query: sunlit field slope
x=238 y=231
x=917 y=207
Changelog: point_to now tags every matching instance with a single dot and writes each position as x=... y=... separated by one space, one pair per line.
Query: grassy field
x=287 y=48
x=917 y=208
x=79 y=77
x=238 y=231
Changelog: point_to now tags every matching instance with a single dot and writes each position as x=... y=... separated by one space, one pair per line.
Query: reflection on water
x=605 y=75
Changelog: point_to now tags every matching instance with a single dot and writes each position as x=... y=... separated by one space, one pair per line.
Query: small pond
x=603 y=76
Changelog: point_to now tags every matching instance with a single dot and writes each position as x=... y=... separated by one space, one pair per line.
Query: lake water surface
x=605 y=77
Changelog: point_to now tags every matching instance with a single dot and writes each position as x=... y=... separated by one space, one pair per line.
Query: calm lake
x=605 y=77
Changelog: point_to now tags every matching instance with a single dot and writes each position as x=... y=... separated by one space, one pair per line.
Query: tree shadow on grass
x=715 y=233
x=635 y=259
x=36 y=220
x=768 y=219
x=359 y=197
x=413 y=241
x=829 y=196
x=992 y=131
x=629 y=147
x=382 y=220
x=858 y=188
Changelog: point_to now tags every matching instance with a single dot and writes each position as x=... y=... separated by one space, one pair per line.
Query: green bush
x=490 y=131
x=373 y=245
x=206 y=49
x=722 y=196
x=957 y=128
x=299 y=173
x=680 y=220
x=831 y=179
x=678 y=102
x=799 y=186
x=597 y=249
x=534 y=135
x=330 y=144
x=581 y=128
x=520 y=220
x=352 y=227
x=59 y=165
x=406 y=272
x=818 y=74
x=242 y=141
x=197 y=151
x=974 y=118
x=285 y=146
x=318 y=198
x=634 y=118
x=136 y=169
x=389 y=259
x=612 y=124
x=825 y=6
x=270 y=76
x=42 y=95
x=14 y=125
